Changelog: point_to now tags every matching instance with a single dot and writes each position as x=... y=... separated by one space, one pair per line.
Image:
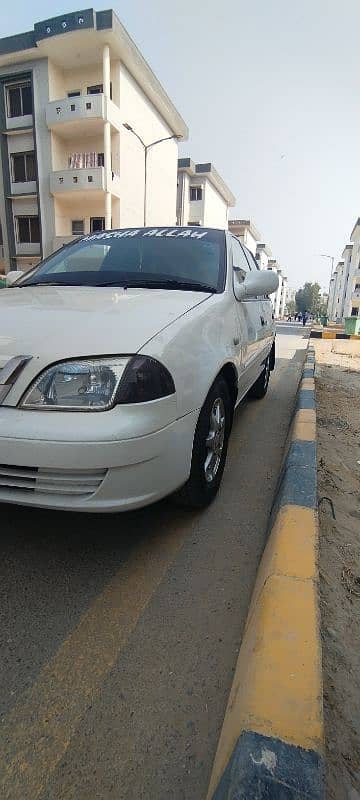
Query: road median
x=271 y=744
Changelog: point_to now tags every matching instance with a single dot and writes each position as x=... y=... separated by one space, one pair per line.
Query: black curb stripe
x=320 y=335
x=298 y=487
x=301 y=454
x=306 y=399
x=265 y=767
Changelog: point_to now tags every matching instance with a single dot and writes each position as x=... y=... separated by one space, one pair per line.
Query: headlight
x=99 y=384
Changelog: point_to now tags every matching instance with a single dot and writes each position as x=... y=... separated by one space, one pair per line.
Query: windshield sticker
x=167 y=233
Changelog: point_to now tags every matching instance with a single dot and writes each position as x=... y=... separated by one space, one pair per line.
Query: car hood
x=54 y=323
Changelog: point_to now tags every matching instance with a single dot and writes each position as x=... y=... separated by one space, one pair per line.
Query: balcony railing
x=77 y=109
x=77 y=180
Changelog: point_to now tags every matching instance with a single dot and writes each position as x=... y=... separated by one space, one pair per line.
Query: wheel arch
x=272 y=356
x=228 y=372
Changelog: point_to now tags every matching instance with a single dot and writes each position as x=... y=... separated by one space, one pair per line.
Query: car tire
x=260 y=387
x=209 y=448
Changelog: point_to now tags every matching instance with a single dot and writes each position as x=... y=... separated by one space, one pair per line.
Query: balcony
x=78 y=180
x=85 y=179
x=73 y=116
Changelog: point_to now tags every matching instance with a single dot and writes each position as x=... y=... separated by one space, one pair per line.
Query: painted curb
x=271 y=743
x=332 y=335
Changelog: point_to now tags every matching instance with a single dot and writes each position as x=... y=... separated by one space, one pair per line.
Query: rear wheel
x=209 y=448
x=260 y=387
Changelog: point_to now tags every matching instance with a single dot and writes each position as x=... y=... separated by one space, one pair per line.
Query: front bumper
x=94 y=474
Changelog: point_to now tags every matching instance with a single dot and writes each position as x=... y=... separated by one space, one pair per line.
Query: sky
x=270 y=91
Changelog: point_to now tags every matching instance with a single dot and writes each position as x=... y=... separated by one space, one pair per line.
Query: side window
x=239 y=260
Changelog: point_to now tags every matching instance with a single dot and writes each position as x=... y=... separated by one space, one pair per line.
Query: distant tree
x=309 y=299
x=291 y=307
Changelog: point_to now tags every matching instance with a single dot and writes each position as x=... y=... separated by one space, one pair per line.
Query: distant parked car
x=122 y=359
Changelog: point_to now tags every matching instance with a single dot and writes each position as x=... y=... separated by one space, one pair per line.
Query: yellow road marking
x=37 y=731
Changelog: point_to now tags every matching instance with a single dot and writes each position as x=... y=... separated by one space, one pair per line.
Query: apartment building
x=352 y=295
x=246 y=231
x=336 y=294
x=79 y=107
x=262 y=255
x=283 y=295
x=280 y=296
x=203 y=198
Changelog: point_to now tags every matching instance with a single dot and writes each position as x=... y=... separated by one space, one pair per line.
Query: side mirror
x=255 y=284
x=13 y=276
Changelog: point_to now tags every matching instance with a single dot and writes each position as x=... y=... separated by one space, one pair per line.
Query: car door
x=266 y=333
x=249 y=319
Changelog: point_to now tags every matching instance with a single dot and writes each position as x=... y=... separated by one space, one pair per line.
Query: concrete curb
x=333 y=335
x=271 y=744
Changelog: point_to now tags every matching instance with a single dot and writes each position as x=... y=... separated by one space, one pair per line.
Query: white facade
x=352 y=294
x=279 y=298
x=76 y=162
x=262 y=255
x=245 y=230
x=202 y=196
x=336 y=298
x=283 y=296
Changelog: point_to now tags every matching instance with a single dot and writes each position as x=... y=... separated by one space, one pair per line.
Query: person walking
x=304 y=318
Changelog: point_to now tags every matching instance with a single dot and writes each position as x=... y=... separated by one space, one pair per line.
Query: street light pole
x=332 y=259
x=146 y=148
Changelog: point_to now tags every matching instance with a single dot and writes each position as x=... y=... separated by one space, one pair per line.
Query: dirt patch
x=338 y=405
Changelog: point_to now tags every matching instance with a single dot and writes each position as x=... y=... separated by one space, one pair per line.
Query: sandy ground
x=338 y=407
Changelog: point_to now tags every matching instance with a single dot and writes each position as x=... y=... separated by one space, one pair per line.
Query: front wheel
x=260 y=387
x=209 y=448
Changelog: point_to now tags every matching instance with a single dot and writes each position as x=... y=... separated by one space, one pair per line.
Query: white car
x=122 y=359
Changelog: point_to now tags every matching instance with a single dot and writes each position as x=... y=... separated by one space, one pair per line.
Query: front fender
x=196 y=347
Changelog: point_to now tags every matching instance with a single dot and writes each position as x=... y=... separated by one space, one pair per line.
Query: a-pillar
x=107 y=136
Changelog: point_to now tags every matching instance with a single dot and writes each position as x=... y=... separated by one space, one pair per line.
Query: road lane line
x=37 y=731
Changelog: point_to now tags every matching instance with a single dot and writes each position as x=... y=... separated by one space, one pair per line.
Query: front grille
x=74 y=482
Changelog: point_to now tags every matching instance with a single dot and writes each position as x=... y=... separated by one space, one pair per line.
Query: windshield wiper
x=161 y=284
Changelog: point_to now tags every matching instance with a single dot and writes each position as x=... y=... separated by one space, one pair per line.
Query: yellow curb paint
x=354 y=336
x=291 y=549
x=307 y=383
x=36 y=733
x=328 y=335
x=304 y=425
x=277 y=687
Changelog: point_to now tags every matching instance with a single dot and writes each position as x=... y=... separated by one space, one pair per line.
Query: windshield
x=183 y=258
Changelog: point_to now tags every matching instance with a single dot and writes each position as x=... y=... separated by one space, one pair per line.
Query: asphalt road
x=120 y=634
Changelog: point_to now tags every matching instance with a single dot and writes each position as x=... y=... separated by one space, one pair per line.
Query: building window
x=28 y=230
x=98 y=89
x=100 y=159
x=23 y=167
x=73 y=94
x=97 y=224
x=19 y=100
x=354 y=311
x=195 y=192
x=77 y=227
